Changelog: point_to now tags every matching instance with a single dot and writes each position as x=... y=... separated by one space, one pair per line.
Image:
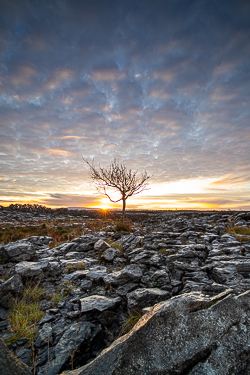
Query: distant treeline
x=36 y=208
x=85 y=213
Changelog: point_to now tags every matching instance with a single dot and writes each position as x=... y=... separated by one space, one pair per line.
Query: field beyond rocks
x=167 y=292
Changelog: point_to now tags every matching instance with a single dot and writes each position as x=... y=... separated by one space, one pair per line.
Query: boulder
x=31 y=269
x=96 y=273
x=9 y=290
x=99 y=303
x=101 y=246
x=76 y=337
x=9 y=364
x=144 y=297
x=191 y=333
x=110 y=254
x=17 y=251
x=128 y=274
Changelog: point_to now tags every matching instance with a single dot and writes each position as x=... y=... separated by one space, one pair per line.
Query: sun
x=103 y=207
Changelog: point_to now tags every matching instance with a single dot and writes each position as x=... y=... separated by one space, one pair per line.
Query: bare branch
x=117 y=178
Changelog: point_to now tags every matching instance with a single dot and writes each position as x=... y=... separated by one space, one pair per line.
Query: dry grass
x=239 y=230
x=115 y=245
x=25 y=314
x=165 y=251
x=60 y=233
x=73 y=267
x=242 y=238
x=130 y=321
x=123 y=226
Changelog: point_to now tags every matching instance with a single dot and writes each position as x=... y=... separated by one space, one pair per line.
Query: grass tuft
x=123 y=226
x=73 y=267
x=25 y=314
x=239 y=230
x=130 y=321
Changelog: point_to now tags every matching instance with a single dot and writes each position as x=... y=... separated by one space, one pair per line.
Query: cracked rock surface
x=183 y=270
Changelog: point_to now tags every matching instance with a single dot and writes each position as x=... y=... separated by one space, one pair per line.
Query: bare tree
x=117 y=178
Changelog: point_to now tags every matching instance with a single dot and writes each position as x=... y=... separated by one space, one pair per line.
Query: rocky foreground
x=183 y=271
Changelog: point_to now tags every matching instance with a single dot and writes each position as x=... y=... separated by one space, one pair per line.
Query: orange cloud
x=58 y=152
x=74 y=136
x=231 y=180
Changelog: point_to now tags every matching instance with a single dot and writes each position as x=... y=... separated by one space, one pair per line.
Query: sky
x=163 y=85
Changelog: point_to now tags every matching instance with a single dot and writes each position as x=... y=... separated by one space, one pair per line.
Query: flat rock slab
x=128 y=274
x=30 y=269
x=99 y=303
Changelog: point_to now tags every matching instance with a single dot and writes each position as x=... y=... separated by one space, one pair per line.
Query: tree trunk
x=123 y=208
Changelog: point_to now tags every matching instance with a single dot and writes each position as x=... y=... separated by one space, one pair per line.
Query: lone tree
x=119 y=179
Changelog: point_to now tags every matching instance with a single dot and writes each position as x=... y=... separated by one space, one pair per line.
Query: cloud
x=73 y=137
x=163 y=86
x=57 y=152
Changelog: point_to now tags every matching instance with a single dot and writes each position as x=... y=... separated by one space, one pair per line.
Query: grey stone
x=190 y=333
x=86 y=285
x=75 y=275
x=9 y=364
x=101 y=245
x=96 y=273
x=9 y=290
x=45 y=336
x=132 y=273
x=99 y=303
x=24 y=355
x=74 y=337
x=13 y=284
x=17 y=251
x=3 y=313
x=145 y=297
x=110 y=254
x=130 y=241
x=123 y=290
x=31 y=269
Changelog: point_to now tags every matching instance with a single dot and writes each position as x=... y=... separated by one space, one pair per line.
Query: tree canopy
x=117 y=178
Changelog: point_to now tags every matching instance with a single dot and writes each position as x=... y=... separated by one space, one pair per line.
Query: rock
x=96 y=273
x=14 y=284
x=129 y=241
x=9 y=290
x=9 y=364
x=24 y=355
x=77 y=275
x=101 y=246
x=3 y=313
x=110 y=254
x=190 y=333
x=76 y=337
x=123 y=290
x=128 y=274
x=86 y=285
x=99 y=303
x=17 y=251
x=45 y=336
x=31 y=269
x=145 y=297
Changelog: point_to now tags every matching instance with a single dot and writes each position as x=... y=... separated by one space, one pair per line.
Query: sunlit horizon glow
x=162 y=86
x=184 y=194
